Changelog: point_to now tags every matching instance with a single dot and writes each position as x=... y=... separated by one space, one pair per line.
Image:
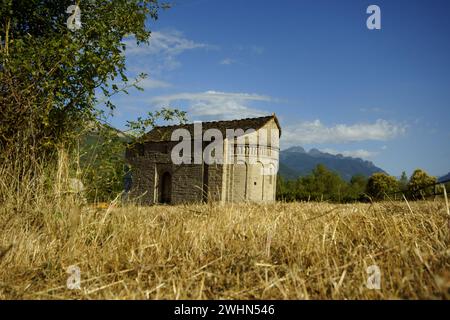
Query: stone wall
x=189 y=182
x=253 y=176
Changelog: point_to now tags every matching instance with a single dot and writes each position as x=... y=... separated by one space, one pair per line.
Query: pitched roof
x=163 y=133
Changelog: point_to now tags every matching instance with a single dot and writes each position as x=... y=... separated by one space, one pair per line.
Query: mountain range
x=444 y=178
x=296 y=162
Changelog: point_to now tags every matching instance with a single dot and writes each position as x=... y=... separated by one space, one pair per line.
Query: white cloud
x=216 y=105
x=360 y=153
x=163 y=48
x=165 y=42
x=253 y=49
x=317 y=132
x=227 y=61
x=149 y=83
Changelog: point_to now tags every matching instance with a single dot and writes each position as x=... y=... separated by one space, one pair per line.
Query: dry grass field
x=233 y=251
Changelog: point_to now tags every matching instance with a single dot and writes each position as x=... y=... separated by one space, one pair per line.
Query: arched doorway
x=166 y=188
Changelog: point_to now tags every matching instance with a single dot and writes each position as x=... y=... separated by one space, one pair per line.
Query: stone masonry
x=249 y=176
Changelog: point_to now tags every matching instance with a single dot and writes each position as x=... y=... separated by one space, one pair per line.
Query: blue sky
x=335 y=85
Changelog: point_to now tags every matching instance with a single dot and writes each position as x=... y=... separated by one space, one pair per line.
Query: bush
x=356 y=188
x=321 y=185
x=50 y=76
x=421 y=184
x=380 y=185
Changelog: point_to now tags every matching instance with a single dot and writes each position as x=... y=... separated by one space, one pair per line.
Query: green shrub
x=380 y=185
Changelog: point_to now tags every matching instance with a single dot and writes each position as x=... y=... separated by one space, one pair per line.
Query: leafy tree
x=356 y=188
x=420 y=184
x=403 y=182
x=281 y=188
x=323 y=184
x=102 y=156
x=139 y=127
x=102 y=162
x=49 y=75
x=288 y=190
x=380 y=185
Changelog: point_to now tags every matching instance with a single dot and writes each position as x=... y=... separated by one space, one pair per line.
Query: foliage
x=380 y=185
x=102 y=156
x=321 y=185
x=324 y=185
x=403 y=182
x=49 y=75
x=102 y=163
x=142 y=125
x=421 y=184
x=357 y=188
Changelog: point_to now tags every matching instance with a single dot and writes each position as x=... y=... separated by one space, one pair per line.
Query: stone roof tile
x=163 y=133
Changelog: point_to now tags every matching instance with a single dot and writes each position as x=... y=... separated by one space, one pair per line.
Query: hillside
x=296 y=161
x=444 y=178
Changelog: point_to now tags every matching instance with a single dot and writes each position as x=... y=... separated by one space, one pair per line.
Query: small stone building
x=247 y=172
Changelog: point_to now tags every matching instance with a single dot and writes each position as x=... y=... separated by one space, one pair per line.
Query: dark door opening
x=166 y=188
